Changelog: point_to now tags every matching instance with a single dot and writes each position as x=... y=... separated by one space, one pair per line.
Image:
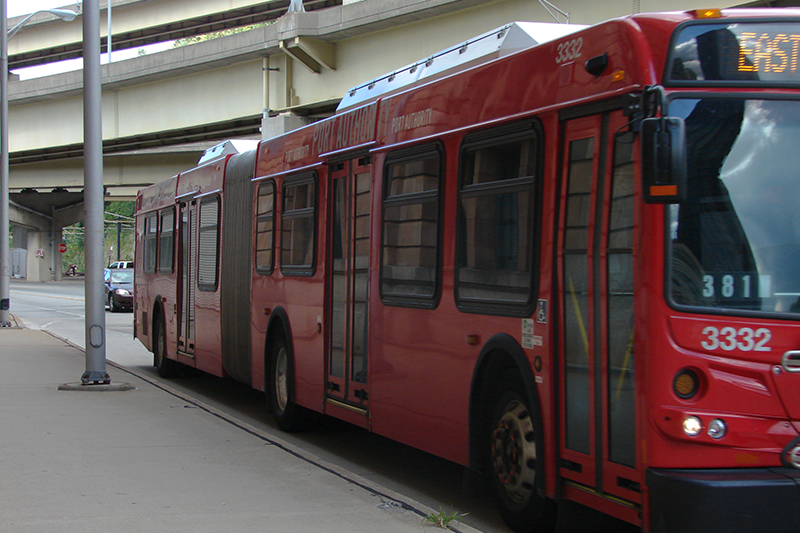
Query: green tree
x=119 y=234
x=119 y=226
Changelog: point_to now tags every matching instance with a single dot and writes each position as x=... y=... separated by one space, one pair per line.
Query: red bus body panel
x=424 y=364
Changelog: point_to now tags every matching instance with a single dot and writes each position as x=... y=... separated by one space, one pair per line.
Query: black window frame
x=311 y=213
x=401 y=157
x=495 y=137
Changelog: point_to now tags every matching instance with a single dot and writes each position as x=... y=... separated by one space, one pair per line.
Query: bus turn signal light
x=686 y=384
x=663 y=190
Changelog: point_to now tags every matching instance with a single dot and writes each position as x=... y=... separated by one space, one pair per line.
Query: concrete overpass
x=160 y=111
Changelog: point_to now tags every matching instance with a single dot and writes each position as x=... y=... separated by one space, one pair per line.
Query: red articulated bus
x=573 y=265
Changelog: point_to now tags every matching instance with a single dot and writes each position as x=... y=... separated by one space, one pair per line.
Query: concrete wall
x=223 y=80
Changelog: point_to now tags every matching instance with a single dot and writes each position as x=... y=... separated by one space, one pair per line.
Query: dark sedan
x=119 y=288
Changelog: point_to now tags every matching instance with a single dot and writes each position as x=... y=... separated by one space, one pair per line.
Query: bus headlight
x=717 y=428
x=692 y=426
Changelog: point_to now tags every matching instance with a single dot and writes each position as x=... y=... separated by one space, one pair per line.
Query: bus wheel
x=513 y=466
x=281 y=389
x=167 y=368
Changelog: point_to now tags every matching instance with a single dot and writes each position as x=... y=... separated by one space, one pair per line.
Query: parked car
x=118 y=284
x=121 y=264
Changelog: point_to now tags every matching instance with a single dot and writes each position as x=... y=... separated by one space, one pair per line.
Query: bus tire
x=513 y=464
x=287 y=413
x=166 y=368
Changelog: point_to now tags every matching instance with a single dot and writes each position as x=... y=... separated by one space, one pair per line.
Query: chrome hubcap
x=281 y=385
x=514 y=452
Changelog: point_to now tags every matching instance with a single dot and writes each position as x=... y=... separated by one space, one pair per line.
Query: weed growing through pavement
x=442 y=519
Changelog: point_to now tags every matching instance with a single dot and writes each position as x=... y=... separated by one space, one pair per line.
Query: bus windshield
x=735 y=239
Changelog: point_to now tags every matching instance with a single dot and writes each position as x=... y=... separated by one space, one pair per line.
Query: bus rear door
x=348 y=284
x=186 y=290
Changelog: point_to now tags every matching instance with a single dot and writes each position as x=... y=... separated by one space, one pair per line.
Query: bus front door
x=348 y=283
x=188 y=236
x=598 y=439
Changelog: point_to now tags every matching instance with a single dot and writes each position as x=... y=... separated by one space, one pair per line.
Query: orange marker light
x=663 y=190
x=472 y=340
x=707 y=13
x=618 y=75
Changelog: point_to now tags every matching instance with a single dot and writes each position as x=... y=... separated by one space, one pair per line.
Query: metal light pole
x=5 y=35
x=93 y=198
x=5 y=279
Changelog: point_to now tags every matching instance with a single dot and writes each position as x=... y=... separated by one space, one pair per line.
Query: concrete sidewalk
x=153 y=459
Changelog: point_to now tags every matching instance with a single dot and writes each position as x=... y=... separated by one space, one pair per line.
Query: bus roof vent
x=227 y=147
x=491 y=45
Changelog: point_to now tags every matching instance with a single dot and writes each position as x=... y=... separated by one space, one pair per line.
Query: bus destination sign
x=758 y=53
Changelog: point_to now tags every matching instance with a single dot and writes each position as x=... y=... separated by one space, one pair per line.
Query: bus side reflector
x=663 y=190
x=267 y=311
x=707 y=13
x=472 y=340
x=618 y=75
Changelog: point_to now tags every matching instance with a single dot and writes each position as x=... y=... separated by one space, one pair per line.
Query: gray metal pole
x=93 y=197
x=108 y=35
x=5 y=262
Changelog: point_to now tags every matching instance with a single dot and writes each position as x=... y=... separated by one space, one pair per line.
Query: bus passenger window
x=208 y=246
x=495 y=238
x=166 y=241
x=410 y=251
x=297 y=226
x=265 y=223
x=150 y=233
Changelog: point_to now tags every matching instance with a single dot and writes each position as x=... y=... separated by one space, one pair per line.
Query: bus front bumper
x=734 y=501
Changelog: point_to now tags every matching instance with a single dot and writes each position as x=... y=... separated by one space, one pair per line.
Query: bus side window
x=496 y=232
x=265 y=225
x=166 y=241
x=150 y=243
x=411 y=227
x=208 y=244
x=298 y=228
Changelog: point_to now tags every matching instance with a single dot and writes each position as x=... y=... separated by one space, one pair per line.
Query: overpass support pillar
x=285 y=122
x=39 y=256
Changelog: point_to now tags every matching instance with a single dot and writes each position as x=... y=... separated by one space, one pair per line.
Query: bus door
x=348 y=283
x=597 y=442
x=186 y=290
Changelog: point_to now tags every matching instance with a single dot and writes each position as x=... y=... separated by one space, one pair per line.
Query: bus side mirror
x=663 y=160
